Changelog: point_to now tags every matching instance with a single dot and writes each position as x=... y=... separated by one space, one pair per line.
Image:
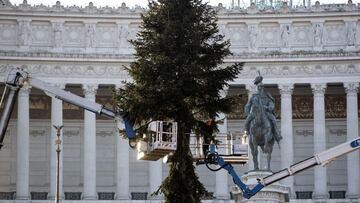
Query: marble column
x=122 y=164
x=23 y=145
x=352 y=126
x=221 y=177
x=287 y=143
x=320 y=174
x=24 y=34
x=90 y=146
x=251 y=90
x=155 y=177
x=56 y=120
x=122 y=167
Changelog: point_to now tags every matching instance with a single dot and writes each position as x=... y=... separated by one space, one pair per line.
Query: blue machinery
x=322 y=158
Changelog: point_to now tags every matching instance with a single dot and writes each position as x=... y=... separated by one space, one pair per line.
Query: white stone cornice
x=351 y=88
x=244 y=57
x=71 y=73
x=318 y=89
x=286 y=89
x=305 y=73
x=93 y=10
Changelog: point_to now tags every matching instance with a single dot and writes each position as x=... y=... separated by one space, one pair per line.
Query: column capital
x=23 y=20
x=89 y=89
x=25 y=91
x=351 y=88
x=53 y=96
x=318 y=89
x=286 y=89
x=59 y=85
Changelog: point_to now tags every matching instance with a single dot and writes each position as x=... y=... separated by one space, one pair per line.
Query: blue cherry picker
x=162 y=134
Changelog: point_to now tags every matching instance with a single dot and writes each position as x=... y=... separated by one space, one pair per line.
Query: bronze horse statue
x=261 y=134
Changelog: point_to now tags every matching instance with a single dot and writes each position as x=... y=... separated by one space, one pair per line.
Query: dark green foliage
x=178 y=75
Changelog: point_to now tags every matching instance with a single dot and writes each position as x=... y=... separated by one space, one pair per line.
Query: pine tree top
x=178 y=71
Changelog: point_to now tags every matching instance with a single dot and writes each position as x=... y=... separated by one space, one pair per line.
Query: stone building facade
x=309 y=57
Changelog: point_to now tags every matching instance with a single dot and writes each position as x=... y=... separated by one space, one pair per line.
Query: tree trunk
x=182 y=184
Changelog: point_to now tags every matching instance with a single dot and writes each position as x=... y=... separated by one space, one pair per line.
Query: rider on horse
x=268 y=104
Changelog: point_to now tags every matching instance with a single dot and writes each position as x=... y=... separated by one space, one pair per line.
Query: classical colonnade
x=155 y=168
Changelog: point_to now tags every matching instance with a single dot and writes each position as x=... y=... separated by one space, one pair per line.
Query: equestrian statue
x=260 y=123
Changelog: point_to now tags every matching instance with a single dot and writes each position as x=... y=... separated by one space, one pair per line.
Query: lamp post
x=58 y=150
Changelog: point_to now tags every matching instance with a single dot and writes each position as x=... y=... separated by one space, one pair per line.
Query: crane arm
x=322 y=158
x=71 y=98
x=18 y=78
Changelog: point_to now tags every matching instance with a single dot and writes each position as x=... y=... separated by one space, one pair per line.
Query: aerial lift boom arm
x=322 y=158
x=18 y=78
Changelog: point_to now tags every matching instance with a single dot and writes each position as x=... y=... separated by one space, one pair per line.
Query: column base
x=22 y=198
x=90 y=198
x=320 y=196
x=21 y=201
x=221 y=201
x=352 y=196
x=123 y=197
x=51 y=197
x=156 y=197
x=222 y=197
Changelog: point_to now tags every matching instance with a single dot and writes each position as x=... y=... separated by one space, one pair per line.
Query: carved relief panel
x=123 y=33
x=106 y=35
x=269 y=35
x=133 y=30
x=334 y=33
x=238 y=35
x=8 y=32
x=350 y=33
x=41 y=33
x=40 y=106
x=302 y=34
x=24 y=32
x=74 y=34
x=303 y=107
x=58 y=34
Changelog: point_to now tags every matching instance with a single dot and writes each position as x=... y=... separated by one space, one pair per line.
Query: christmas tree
x=178 y=74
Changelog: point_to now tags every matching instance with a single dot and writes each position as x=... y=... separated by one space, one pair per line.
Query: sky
x=143 y=3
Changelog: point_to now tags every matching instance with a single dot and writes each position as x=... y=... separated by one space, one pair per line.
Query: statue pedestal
x=273 y=193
